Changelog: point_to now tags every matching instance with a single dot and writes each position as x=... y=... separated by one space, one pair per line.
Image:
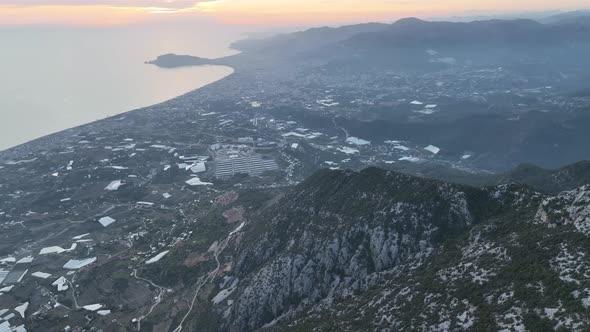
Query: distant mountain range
x=549 y=181
x=411 y=41
x=415 y=32
x=308 y=39
x=580 y=16
x=412 y=32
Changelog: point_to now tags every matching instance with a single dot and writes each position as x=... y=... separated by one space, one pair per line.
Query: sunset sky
x=273 y=12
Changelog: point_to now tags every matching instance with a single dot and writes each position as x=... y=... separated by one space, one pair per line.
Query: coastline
x=23 y=147
x=54 y=93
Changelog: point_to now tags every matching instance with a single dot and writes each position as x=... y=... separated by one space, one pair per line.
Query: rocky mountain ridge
x=371 y=248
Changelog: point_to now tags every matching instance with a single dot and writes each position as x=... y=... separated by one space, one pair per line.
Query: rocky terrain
x=379 y=251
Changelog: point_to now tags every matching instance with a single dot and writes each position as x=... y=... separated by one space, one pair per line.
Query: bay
x=54 y=78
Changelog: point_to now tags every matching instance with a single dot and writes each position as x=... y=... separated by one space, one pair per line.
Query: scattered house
x=41 y=275
x=294 y=134
x=78 y=237
x=61 y=283
x=410 y=159
x=93 y=307
x=21 y=309
x=74 y=264
x=348 y=150
x=8 y=260
x=106 y=221
x=25 y=260
x=6 y=289
x=198 y=168
x=56 y=249
x=114 y=185
x=433 y=149
x=157 y=257
x=357 y=141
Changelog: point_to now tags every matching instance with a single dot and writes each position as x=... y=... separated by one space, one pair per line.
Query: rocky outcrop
x=567 y=208
x=347 y=249
x=336 y=234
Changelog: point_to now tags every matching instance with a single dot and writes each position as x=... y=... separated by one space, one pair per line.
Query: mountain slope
x=520 y=272
x=412 y=44
x=579 y=16
x=305 y=40
x=550 y=181
x=340 y=241
x=415 y=44
x=379 y=251
x=329 y=235
x=520 y=32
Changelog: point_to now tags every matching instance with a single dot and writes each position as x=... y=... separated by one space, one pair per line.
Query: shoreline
x=16 y=149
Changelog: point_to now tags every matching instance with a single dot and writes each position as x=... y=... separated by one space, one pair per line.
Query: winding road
x=218 y=250
x=158 y=300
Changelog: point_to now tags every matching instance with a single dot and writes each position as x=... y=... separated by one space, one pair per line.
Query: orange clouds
x=69 y=15
x=117 y=12
x=331 y=11
x=326 y=11
x=90 y=12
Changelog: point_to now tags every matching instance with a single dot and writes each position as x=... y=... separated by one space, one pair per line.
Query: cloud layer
x=172 y=4
x=275 y=12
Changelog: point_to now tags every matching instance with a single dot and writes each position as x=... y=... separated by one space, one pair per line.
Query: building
x=251 y=165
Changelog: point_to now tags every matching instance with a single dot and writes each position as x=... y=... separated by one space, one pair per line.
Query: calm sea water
x=56 y=78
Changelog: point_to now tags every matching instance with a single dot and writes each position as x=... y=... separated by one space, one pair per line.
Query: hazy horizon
x=256 y=12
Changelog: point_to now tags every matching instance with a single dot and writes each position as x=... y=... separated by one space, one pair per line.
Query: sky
x=255 y=12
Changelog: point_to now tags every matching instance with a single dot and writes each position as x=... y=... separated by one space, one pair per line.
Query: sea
x=54 y=78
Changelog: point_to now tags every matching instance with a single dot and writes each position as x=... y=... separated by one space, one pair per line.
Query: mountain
x=413 y=43
x=335 y=232
x=377 y=249
x=534 y=15
x=522 y=271
x=413 y=32
x=173 y=60
x=517 y=32
x=580 y=16
x=550 y=181
x=300 y=42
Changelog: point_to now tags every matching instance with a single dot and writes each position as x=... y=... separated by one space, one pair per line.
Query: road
x=218 y=250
